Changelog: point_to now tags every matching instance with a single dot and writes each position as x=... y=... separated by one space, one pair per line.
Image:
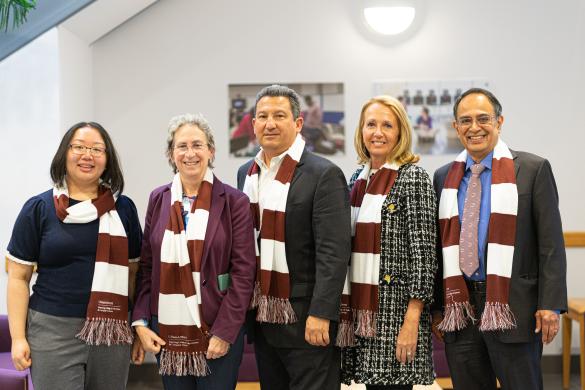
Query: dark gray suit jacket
x=539 y=265
x=318 y=246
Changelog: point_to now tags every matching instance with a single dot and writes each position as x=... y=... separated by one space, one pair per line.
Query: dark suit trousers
x=313 y=368
x=223 y=371
x=476 y=358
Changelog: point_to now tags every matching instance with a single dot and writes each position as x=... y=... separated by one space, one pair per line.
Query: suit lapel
x=217 y=205
x=516 y=163
x=165 y=208
x=298 y=172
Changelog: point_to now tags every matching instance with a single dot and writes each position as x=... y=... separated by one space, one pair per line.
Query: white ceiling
x=102 y=16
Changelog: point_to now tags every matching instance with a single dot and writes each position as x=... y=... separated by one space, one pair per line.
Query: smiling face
x=380 y=133
x=85 y=169
x=479 y=139
x=191 y=152
x=275 y=126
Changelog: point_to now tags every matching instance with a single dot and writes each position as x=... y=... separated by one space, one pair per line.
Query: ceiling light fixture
x=389 y=20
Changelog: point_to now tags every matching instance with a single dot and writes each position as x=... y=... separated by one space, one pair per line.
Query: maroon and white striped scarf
x=272 y=289
x=497 y=314
x=180 y=320
x=359 y=301
x=107 y=312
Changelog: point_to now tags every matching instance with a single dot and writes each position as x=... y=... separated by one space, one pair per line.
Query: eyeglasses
x=466 y=122
x=184 y=148
x=81 y=149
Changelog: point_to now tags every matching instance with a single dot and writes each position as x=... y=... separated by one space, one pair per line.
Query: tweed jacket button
x=387 y=278
x=391 y=208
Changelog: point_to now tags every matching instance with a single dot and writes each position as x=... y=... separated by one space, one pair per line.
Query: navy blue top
x=485 y=178
x=64 y=253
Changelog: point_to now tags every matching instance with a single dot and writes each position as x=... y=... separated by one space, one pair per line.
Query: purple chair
x=13 y=380
x=248 y=370
x=10 y=378
x=440 y=359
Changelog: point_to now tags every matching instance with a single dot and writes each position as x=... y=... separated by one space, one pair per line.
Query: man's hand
x=217 y=348
x=437 y=317
x=547 y=322
x=150 y=340
x=21 y=354
x=137 y=356
x=317 y=331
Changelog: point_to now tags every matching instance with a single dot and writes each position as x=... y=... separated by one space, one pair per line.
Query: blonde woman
x=386 y=324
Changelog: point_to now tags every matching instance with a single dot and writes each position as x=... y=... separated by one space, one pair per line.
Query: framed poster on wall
x=322 y=108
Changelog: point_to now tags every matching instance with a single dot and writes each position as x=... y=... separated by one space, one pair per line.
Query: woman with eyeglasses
x=385 y=323
x=84 y=238
x=198 y=265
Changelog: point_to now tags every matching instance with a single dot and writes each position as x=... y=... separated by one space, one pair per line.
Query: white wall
x=29 y=130
x=75 y=80
x=180 y=55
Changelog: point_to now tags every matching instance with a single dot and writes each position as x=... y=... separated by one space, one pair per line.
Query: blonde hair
x=402 y=151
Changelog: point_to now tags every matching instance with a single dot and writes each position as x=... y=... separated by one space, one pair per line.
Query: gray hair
x=175 y=124
x=276 y=90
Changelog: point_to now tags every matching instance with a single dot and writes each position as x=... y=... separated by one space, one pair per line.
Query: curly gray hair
x=188 y=119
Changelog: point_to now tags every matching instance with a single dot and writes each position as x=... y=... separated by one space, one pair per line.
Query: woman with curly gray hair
x=198 y=266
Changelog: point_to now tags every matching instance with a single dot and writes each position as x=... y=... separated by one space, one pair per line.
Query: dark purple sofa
x=10 y=378
x=440 y=359
x=248 y=369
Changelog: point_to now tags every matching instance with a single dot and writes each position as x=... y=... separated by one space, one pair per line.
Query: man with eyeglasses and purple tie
x=501 y=284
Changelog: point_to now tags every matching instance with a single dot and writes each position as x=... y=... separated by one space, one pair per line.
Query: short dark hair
x=112 y=175
x=491 y=97
x=276 y=90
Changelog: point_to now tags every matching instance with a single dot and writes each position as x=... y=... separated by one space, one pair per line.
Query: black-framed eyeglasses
x=80 y=150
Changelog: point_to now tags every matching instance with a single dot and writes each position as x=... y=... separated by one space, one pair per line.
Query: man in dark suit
x=513 y=275
x=297 y=350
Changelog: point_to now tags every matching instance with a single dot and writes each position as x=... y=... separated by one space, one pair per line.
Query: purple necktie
x=468 y=257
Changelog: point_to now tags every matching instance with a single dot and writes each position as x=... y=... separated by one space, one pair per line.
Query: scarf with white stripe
x=272 y=289
x=107 y=312
x=497 y=314
x=180 y=320
x=359 y=302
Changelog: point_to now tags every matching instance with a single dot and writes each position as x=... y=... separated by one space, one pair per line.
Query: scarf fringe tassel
x=105 y=331
x=256 y=295
x=457 y=316
x=183 y=363
x=345 y=335
x=275 y=310
x=366 y=323
x=497 y=316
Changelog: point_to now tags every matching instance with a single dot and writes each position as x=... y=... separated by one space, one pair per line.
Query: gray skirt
x=61 y=361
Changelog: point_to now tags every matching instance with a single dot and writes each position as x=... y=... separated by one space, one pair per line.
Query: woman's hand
x=21 y=354
x=408 y=335
x=150 y=340
x=406 y=341
x=137 y=352
x=217 y=348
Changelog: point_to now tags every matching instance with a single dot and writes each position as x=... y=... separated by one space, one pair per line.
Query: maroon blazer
x=229 y=247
